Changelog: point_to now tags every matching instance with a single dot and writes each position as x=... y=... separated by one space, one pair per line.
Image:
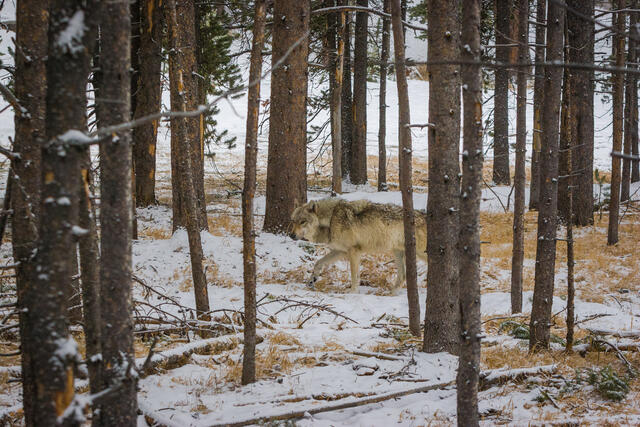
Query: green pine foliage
x=216 y=67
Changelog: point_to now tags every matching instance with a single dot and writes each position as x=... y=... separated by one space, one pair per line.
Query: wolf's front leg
x=328 y=259
x=354 y=260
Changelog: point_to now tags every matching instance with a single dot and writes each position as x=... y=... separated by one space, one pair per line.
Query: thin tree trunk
x=565 y=141
x=248 y=192
x=581 y=87
x=631 y=98
x=135 y=6
x=53 y=350
x=406 y=187
x=521 y=153
x=287 y=164
x=187 y=185
x=4 y=216
x=359 y=144
x=336 y=45
x=634 y=34
x=89 y=278
x=442 y=326
x=469 y=240
x=501 y=174
x=571 y=317
x=548 y=206
x=618 y=100
x=147 y=101
x=382 y=126
x=538 y=95
x=347 y=98
x=30 y=90
x=116 y=223
x=186 y=49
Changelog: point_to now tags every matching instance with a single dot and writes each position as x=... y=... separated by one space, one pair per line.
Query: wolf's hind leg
x=354 y=260
x=400 y=265
x=328 y=259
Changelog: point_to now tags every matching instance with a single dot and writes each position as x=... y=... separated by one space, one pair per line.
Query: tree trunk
x=30 y=90
x=89 y=277
x=564 y=143
x=147 y=101
x=571 y=291
x=287 y=158
x=186 y=50
x=406 y=187
x=116 y=222
x=359 y=144
x=521 y=155
x=248 y=192
x=631 y=98
x=187 y=185
x=53 y=350
x=548 y=206
x=135 y=6
x=469 y=240
x=538 y=95
x=336 y=46
x=618 y=100
x=382 y=126
x=441 y=330
x=581 y=86
x=634 y=34
x=501 y=174
x=347 y=99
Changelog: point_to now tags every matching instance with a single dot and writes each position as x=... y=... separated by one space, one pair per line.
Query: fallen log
x=500 y=376
x=159 y=418
x=614 y=333
x=179 y=356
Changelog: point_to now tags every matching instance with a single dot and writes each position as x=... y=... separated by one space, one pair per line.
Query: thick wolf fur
x=351 y=229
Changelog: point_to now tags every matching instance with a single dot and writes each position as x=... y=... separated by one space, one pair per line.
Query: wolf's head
x=305 y=222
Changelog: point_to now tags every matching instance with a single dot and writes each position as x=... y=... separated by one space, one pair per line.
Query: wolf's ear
x=313 y=207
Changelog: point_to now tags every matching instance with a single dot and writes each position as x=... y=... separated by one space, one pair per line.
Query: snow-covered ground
x=309 y=359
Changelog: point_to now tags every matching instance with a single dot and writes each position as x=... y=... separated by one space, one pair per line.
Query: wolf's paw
x=312 y=282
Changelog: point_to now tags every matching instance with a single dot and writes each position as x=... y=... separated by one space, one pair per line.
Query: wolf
x=353 y=228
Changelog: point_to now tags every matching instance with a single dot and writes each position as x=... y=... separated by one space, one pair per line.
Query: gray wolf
x=351 y=229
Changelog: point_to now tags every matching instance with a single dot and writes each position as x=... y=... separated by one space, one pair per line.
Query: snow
x=70 y=38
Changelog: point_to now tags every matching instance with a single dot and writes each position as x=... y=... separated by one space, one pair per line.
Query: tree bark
x=581 y=87
x=187 y=184
x=571 y=291
x=382 y=119
x=441 y=330
x=548 y=206
x=359 y=144
x=186 y=50
x=89 y=277
x=634 y=34
x=521 y=154
x=53 y=350
x=147 y=101
x=538 y=95
x=347 y=98
x=469 y=240
x=336 y=62
x=30 y=90
x=248 y=192
x=116 y=222
x=287 y=164
x=501 y=174
x=618 y=101
x=631 y=98
x=406 y=187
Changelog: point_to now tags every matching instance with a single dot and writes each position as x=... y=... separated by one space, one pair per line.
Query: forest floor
x=324 y=347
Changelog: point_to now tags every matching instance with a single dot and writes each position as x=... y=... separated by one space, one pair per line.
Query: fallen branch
x=179 y=356
x=376 y=355
x=500 y=376
x=630 y=367
x=614 y=333
x=158 y=418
